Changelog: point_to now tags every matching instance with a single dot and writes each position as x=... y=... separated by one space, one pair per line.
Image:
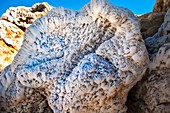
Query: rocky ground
x=149 y=95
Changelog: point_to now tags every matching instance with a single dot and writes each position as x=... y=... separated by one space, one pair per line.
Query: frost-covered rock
x=81 y=61
x=23 y=16
x=11 y=38
x=152 y=94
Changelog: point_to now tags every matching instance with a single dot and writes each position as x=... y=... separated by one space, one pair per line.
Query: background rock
x=152 y=93
x=24 y=16
x=11 y=38
x=150 y=23
x=12 y=27
x=161 y=6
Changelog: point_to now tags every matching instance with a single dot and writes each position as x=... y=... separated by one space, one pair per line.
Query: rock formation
x=152 y=94
x=23 y=17
x=150 y=23
x=12 y=27
x=11 y=38
x=80 y=61
x=161 y=6
x=89 y=66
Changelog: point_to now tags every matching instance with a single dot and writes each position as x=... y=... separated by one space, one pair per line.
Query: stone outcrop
x=23 y=17
x=12 y=27
x=78 y=61
x=150 y=23
x=161 y=6
x=11 y=38
x=152 y=94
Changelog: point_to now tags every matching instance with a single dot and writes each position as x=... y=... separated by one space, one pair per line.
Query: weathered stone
x=150 y=23
x=161 y=6
x=24 y=16
x=81 y=61
x=152 y=94
x=11 y=38
x=12 y=26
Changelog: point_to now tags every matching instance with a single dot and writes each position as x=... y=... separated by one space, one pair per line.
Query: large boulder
x=80 y=61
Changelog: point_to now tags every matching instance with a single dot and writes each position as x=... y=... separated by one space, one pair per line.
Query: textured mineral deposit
x=79 y=61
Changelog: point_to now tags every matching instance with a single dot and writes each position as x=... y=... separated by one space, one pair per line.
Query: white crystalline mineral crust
x=81 y=61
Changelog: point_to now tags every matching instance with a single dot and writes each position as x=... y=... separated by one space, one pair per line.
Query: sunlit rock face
x=80 y=61
x=23 y=16
x=152 y=94
x=12 y=27
x=11 y=38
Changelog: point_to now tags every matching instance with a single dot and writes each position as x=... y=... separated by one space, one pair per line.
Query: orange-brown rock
x=12 y=26
x=11 y=38
x=161 y=6
x=150 y=23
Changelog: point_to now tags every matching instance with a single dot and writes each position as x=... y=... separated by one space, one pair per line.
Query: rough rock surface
x=152 y=94
x=81 y=61
x=161 y=6
x=12 y=26
x=150 y=23
x=11 y=38
x=24 y=16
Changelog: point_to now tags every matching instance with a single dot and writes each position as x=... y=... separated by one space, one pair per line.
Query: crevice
x=9 y=45
x=20 y=27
